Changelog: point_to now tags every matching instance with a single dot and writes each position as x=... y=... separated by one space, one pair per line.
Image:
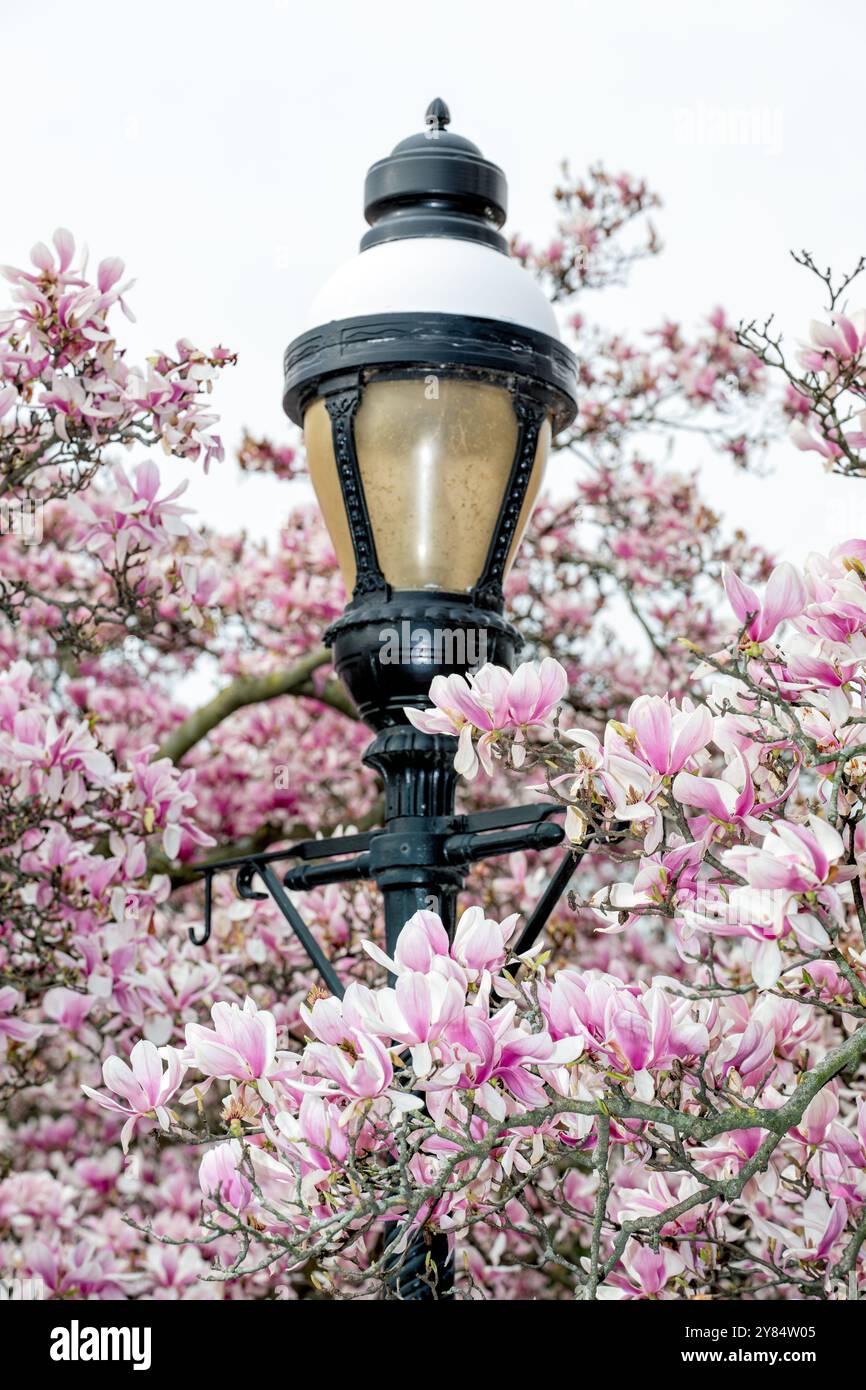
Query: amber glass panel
x=435 y=456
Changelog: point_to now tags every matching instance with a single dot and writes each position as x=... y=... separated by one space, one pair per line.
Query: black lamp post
x=429 y=384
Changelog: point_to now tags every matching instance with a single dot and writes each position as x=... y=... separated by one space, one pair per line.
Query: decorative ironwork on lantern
x=429 y=385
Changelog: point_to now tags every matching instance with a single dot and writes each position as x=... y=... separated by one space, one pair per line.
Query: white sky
x=221 y=150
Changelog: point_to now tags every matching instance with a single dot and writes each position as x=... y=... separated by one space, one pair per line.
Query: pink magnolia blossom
x=813 y=441
x=831 y=346
x=12 y=1029
x=242 y=1045
x=68 y=1008
x=618 y=772
x=668 y=738
x=729 y=800
x=146 y=1089
x=347 y=1050
x=822 y=1227
x=360 y=1066
x=480 y=943
x=61 y=761
x=784 y=597
x=313 y=1145
x=519 y=1054
x=219 y=1174
x=490 y=703
x=422 y=945
x=788 y=887
x=77 y=1271
x=418 y=1012
x=645 y=1273
x=639 y=1032
x=137 y=516
x=164 y=799
x=792 y=857
x=720 y=796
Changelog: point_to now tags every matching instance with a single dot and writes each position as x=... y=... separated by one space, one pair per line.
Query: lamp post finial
x=437 y=116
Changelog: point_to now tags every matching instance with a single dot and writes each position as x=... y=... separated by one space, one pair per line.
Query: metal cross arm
x=266 y=873
x=299 y=877
x=556 y=886
x=470 y=845
x=388 y=856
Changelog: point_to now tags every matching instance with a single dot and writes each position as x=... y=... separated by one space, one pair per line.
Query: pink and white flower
x=242 y=1045
x=145 y=1087
x=784 y=597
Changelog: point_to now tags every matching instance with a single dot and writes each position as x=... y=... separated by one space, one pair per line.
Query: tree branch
x=254 y=690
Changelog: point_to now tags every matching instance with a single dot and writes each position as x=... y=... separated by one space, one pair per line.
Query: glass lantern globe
x=434 y=457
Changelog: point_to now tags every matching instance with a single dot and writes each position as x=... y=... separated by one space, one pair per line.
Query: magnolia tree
x=665 y=1099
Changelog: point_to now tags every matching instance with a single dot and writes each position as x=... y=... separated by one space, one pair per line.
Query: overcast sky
x=220 y=149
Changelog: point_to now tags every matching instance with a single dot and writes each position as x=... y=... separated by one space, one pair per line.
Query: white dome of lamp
x=435 y=275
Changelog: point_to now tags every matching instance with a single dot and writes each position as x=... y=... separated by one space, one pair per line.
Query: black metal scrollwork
x=342 y=407
x=530 y=417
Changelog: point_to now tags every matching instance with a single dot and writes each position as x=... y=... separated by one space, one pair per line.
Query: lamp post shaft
x=420 y=784
x=417 y=772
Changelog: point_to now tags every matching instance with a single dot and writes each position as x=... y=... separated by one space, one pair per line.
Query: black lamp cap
x=438 y=184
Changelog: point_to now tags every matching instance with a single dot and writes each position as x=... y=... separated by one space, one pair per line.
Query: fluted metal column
x=408 y=865
x=420 y=783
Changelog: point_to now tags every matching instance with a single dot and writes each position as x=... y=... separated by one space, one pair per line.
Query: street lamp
x=429 y=383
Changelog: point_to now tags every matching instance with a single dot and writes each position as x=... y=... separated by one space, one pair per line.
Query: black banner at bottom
x=56 y=1338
